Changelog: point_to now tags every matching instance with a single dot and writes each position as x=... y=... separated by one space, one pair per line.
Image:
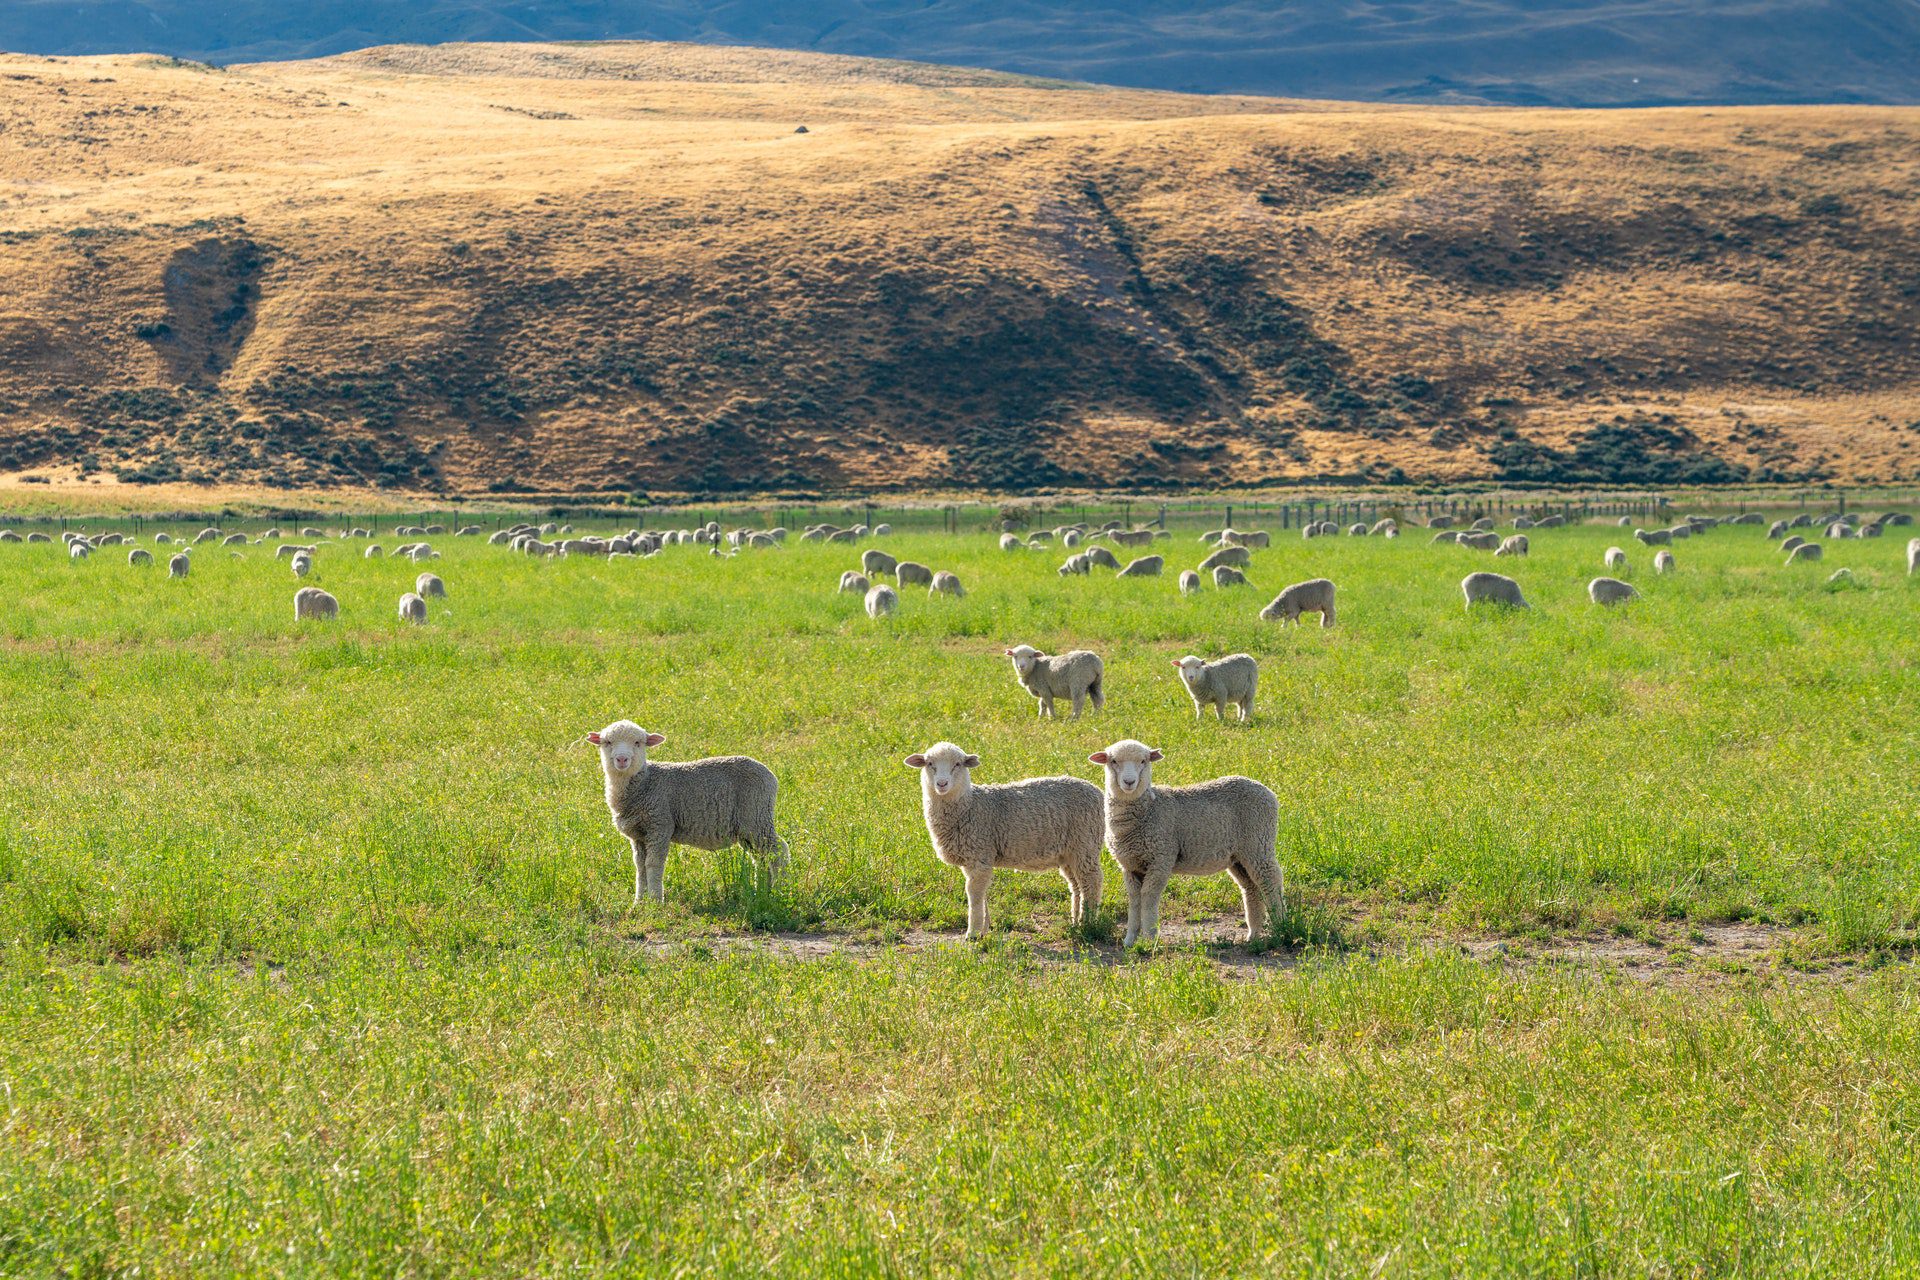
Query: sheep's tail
x=1094 y=693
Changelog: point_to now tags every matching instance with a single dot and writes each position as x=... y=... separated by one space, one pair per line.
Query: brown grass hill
x=622 y=267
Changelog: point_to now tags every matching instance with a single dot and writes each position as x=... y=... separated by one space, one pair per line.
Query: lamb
x=874 y=563
x=1663 y=562
x=1156 y=833
x=178 y=564
x=1228 y=576
x=207 y=535
x=1610 y=591
x=8 y=535
x=759 y=539
x=1256 y=540
x=1076 y=676
x=1039 y=824
x=1144 y=567
x=1357 y=530
x=1795 y=541
x=882 y=530
x=429 y=586
x=1805 y=551
x=1102 y=557
x=139 y=555
x=1513 y=546
x=1680 y=532
x=703 y=804
x=1315 y=595
x=1074 y=564
x=1189 y=582
x=413 y=609
x=1777 y=530
x=1134 y=538
x=1230 y=680
x=946 y=584
x=1239 y=557
x=1491 y=588
x=78 y=550
x=1616 y=559
x=1312 y=530
x=302 y=565
x=288 y=550
x=1840 y=529
x=855 y=582
x=881 y=601
x=1913 y=556
x=1011 y=542
x=1480 y=540
x=373 y=552
x=1653 y=537
x=312 y=602
x=38 y=537
x=1384 y=525
x=1070 y=539
x=909 y=571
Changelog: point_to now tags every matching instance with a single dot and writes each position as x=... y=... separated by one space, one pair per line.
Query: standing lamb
x=1156 y=833
x=1076 y=676
x=1040 y=824
x=946 y=584
x=1663 y=562
x=909 y=571
x=1144 y=567
x=413 y=609
x=1230 y=681
x=703 y=804
x=1610 y=591
x=1491 y=588
x=881 y=601
x=1315 y=595
x=312 y=602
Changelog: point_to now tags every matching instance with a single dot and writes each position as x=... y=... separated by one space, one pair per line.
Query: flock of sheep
x=1059 y=824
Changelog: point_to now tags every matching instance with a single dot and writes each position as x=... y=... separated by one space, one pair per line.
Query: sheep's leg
x=1326 y=618
x=1089 y=885
x=639 y=868
x=978 y=880
x=1079 y=697
x=1075 y=907
x=1199 y=709
x=1046 y=707
x=1133 y=909
x=1152 y=885
x=1246 y=709
x=657 y=866
x=1220 y=709
x=1251 y=900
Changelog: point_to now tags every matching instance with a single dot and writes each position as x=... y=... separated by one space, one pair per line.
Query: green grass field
x=320 y=957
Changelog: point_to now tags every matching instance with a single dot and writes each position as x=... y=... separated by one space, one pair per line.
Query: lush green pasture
x=319 y=955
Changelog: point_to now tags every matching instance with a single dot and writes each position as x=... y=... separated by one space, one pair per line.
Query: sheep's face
x=623 y=747
x=1129 y=766
x=1024 y=657
x=945 y=770
x=1190 y=668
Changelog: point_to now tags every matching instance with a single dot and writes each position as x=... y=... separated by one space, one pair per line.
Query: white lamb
x=946 y=584
x=1610 y=591
x=1156 y=833
x=312 y=602
x=1663 y=562
x=854 y=582
x=1513 y=546
x=1230 y=681
x=1144 y=567
x=881 y=601
x=1616 y=559
x=1491 y=588
x=413 y=609
x=429 y=586
x=1076 y=676
x=1039 y=824
x=1189 y=582
x=1315 y=595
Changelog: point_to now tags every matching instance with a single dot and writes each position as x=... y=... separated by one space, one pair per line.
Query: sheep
x=1802 y=521
x=946 y=584
x=1896 y=520
x=1445 y=535
x=1040 y=538
x=761 y=540
x=881 y=601
x=910 y=571
x=1315 y=595
x=373 y=552
x=139 y=555
x=1480 y=540
x=115 y=539
x=1255 y=540
x=178 y=564
x=1840 y=578
x=1868 y=531
x=1777 y=530
x=413 y=608
x=874 y=563
x=1312 y=529
x=1610 y=591
x=1616 y=559
x=1663 y=562
x=1039 y=824
x=1653 y=537
x=1011 y=542
x=1077 y=676
x=702 y=804
x=78 y=550
x=1513 y=546
x=1750 y=517
x=1239 y=557
x=881 y=530
x=1913 y=556
x=855 y=583
x=1382 y=526
x=1074 y=564
x=1070 y=539
x=1795 y=541
x=1230 y=680
x=1144 y=567
x=1189 y=582
x=1491 y=588
x=38 y=537
x=1550 y=522
x=1441 y=522
x=207 y=535
x=1804 y=552
x=312 y=602
x=844 y=535
x=302 y=565
x=1229 y=824
x=1102 y=557
x=1227 y=576
x=1357 y=530
x=1392 y=531
x=429 y=586
x=288 y=550
x=464 y=531
x=1522 y=522
x=8 y=535
x=1133 y=538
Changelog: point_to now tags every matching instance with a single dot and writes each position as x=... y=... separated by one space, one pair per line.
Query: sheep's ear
x=655 y=739
x=1098 y=757
x=972 y=762
x=1009 y=653
x=594 y=738
x=1154 y=754
x=916 y=761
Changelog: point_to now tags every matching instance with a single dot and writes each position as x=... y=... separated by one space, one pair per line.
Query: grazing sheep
x=1039 y=824
x=1357 y=530
x=302 y=565
x=1483 y=525
x=1896 y=520
x=1868 y=531
x=1189 y=582
x=373 y=552
x=78 y=550
x=1550 y=522
x=1480 y=540
x=429 y=586
x=1749 y=517
x=413 y=609
x=881 y=601
x=1795 y=541
x=178 y=564
x=703 y=804
x=882 y=530
x=1102 y=557
x=1663 y=562
x=1070 y=539
x=1616 y=558
x=1441 y=522
x=1315 y=595
x=854 y=582
x=288 y=550
x=1610 y=591
x=500 y=537
x=1522 y=522
x=139 y=555
x=946 y=584
x=844 y=535
x=1776 y=530
x=1144 y=567
x=1074 y=564
x=1802 y=521
x=1131 y=538
x=8 y=535
x=312 y=602
x=1227 y=576
x=207 y=535
x=38 y=537
x=1239 y=557
x=1253 y=540
x=1445 y=535
x=1840 y=578
x=234 y=540
x=1384 y=526
x=1624 y=522
x=1076 y=676
x=1913 y=556
x=874 y=563
x=1011 y=542
x=1653 y=537
x=1491 y=588
x=1230 y=680
x=1156 y=833
x=909 y=571
x=1513 y=546
x=1310 y=530
x=1804 y=552
x=1040 y=538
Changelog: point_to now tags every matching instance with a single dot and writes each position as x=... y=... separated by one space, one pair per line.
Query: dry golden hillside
x=621 y=267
